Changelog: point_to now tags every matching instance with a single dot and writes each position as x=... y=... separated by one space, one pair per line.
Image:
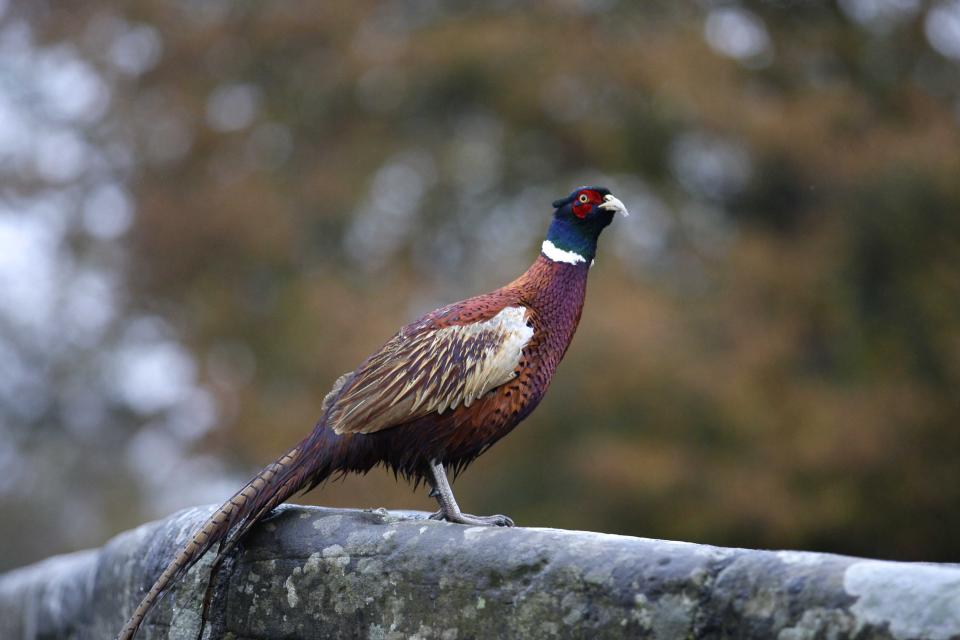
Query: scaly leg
x=450 y=510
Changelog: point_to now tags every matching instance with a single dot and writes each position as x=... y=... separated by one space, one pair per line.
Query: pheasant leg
x=450 y=510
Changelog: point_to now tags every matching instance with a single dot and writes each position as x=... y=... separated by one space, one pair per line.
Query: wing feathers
x=434 y=369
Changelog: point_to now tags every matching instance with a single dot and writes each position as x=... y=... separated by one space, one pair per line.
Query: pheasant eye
x=583 y=198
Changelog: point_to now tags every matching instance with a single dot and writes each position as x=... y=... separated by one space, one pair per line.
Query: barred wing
x=433 y=369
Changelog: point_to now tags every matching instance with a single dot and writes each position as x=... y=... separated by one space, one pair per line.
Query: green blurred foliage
x=770 y=351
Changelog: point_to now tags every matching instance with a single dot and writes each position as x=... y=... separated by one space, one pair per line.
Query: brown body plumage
x=552 y=293
x=438 y=394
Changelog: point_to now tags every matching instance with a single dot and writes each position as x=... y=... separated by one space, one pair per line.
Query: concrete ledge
x=326 y=573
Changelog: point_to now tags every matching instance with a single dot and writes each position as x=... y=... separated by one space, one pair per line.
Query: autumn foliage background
x=210 y=210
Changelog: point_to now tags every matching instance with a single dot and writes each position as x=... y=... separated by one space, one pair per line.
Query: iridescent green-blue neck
x=574 y=236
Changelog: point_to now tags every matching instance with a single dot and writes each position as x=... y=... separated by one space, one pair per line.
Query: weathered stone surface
x=326 y=573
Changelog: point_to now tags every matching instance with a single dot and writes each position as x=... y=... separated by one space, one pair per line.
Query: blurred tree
x=258 y=194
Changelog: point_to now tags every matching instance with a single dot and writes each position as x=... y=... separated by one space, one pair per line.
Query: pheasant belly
x=454 y=438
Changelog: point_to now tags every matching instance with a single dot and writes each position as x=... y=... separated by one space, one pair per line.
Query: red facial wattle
x=584 y=202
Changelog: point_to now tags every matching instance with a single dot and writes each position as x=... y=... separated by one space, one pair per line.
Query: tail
x=272 y=486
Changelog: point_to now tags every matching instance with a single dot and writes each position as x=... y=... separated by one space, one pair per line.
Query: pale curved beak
x=612 y=203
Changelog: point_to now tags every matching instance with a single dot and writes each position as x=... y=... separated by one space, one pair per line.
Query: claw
x=481 y=521
x=498 y=521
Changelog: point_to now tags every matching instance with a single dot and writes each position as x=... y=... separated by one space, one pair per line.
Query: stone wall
x=326 y=573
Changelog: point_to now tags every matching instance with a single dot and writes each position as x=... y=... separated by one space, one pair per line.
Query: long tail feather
x=273 y=485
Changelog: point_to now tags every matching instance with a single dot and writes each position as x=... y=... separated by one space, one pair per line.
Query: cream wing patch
x=432 y=371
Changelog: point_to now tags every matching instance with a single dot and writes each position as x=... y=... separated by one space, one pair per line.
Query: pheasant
x=438 y=394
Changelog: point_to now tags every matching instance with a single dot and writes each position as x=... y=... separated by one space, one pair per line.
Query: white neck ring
x=555 y=253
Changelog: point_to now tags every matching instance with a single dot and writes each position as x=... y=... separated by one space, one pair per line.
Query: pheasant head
x=578 y=220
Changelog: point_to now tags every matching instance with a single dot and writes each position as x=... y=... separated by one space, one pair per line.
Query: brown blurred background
x=210 y=209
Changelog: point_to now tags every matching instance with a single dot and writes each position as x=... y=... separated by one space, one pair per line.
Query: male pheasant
x=435 y=396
